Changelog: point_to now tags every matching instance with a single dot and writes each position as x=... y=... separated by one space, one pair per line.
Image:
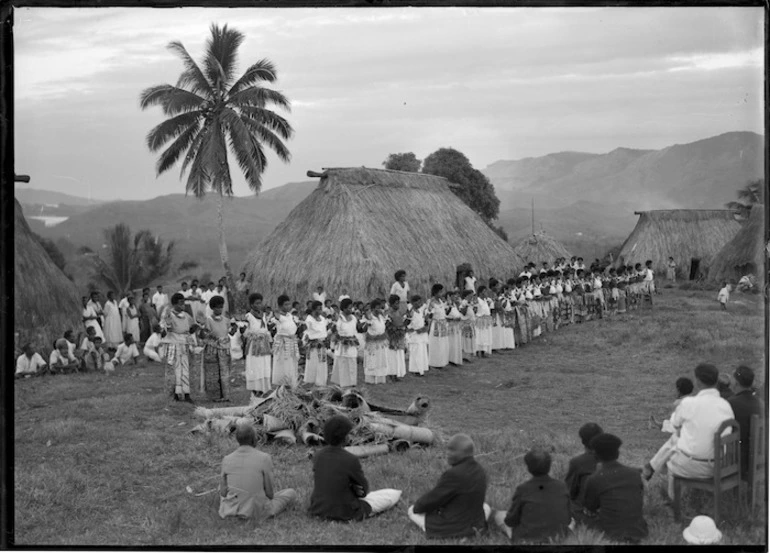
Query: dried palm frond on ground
x=301 y=414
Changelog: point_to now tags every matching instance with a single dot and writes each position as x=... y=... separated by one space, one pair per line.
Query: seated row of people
x=608 y=497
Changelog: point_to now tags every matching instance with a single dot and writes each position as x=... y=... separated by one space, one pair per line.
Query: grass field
x=105 y=460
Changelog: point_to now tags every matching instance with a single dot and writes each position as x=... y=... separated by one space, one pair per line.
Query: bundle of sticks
x=291 y=415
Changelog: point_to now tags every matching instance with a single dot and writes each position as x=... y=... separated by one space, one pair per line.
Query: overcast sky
x=502 y=83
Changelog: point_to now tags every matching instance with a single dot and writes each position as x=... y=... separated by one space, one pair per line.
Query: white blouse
x=347 y=328
x=285 y=325
x=316 y=330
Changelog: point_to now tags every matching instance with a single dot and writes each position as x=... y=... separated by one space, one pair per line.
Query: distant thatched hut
x=46 y=303
x=745 y=253
x=361 y=225
x=541 y=247
x=692 y=237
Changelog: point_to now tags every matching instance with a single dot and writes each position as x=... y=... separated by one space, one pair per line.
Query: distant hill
x=192 y=223
x=702 y=174
x=27 y=196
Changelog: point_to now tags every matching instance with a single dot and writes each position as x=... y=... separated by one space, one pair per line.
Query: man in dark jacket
x=540 y=508
x=614 y=494
x=340 y=490
x=745 y=403
x=581 y=467
x=455 y=507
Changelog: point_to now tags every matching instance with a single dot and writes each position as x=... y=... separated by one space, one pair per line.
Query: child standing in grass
x=724 y=295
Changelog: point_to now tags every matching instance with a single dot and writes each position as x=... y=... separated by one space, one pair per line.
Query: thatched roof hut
x=692 y=237
x=360 y=225
x=541 y=247
x=745 y=253
x=46 y=303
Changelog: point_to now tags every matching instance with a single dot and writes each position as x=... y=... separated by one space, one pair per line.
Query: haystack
x=46 y=302
x=361 y=225
x=540 y=247
x=693 y=237
x=745 y=253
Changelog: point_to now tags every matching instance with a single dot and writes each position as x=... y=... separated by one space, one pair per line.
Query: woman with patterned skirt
x=285 y=346
x=468 y=322
x=395 y=328
x=216 y=352
x=177 y=327
x=483 y=324
x=376 y=348
x=258 y=352
x=316 y=368
x=345 y=369
x=507 y=323
x=438 y=340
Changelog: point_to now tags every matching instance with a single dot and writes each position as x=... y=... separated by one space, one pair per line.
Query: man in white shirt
x=159 y=300
x=695 y=420
x=28 y=362
x=206 y=297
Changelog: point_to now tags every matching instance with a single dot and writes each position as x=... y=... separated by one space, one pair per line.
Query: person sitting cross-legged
x=340 y=489
x=540 y=509
x=455 y=507
x=29 y=362
x=246 y=488
x=614 y=494
x=581 y=467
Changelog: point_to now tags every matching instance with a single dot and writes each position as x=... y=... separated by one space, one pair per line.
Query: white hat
x=702 y=531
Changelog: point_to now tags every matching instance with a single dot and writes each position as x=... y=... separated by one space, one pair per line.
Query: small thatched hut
x=693 y=237
x=745 y=253
x=541 y=247
x=361 y=225
x=46 y=303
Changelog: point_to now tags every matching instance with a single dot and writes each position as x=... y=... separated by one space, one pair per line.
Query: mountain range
x=587 y=201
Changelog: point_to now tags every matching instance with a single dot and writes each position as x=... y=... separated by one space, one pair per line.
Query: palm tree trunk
x=223 y=247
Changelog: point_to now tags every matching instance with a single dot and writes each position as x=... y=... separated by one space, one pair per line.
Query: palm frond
x=259 y=97
x=222 y=48
x=269 y=119
x=154 y=95
x=171 y=128
x=172 y=99
x=219 y=168
x=241 y=144
x=192 y=150
x=267 y=137
x=184 y=142
x=200 y=177
x=263 y=70
x=192 y=76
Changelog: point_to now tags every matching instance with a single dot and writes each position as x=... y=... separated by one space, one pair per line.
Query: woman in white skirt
x=507 y=319
x=345 y=369
x=438 y=340
x=483 y=324
x=396 y=331
x=376 y=348
x=468 y=323
x=454 y=331
x=497 y=314
x=417 y=338
x=258 y=352
x=285 y=345
x=316 y=368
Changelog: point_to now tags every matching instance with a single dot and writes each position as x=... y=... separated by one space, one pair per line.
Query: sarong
x=216 y=366
x=285 y=360
x=316 y=368
x=177 y=370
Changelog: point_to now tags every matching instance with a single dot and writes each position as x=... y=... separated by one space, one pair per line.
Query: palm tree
x=752 y=193
x=130 y=261
x=210 y=110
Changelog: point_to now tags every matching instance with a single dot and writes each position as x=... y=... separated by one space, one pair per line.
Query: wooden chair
x=757 y=460
x=727 y=470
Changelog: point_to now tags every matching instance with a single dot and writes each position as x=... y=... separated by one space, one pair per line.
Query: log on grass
x=285 y=436
x=367 y=450
x=413 y=434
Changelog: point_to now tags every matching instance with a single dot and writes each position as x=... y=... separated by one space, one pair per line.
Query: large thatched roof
x=540 y=247
x=745 y=253
x=684 y=234
x=361 y=225
x=46 y=303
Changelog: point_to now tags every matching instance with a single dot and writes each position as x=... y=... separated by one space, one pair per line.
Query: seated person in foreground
x=340 y=489
x=127 y=351
x=455 y=507
x=62 y=360
x=684 y=388
x=540 y=508
x=745 y=403
x=614 y=494
x=152 y=345
x=581 y=467
x=29 y=362
x=246 y=489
